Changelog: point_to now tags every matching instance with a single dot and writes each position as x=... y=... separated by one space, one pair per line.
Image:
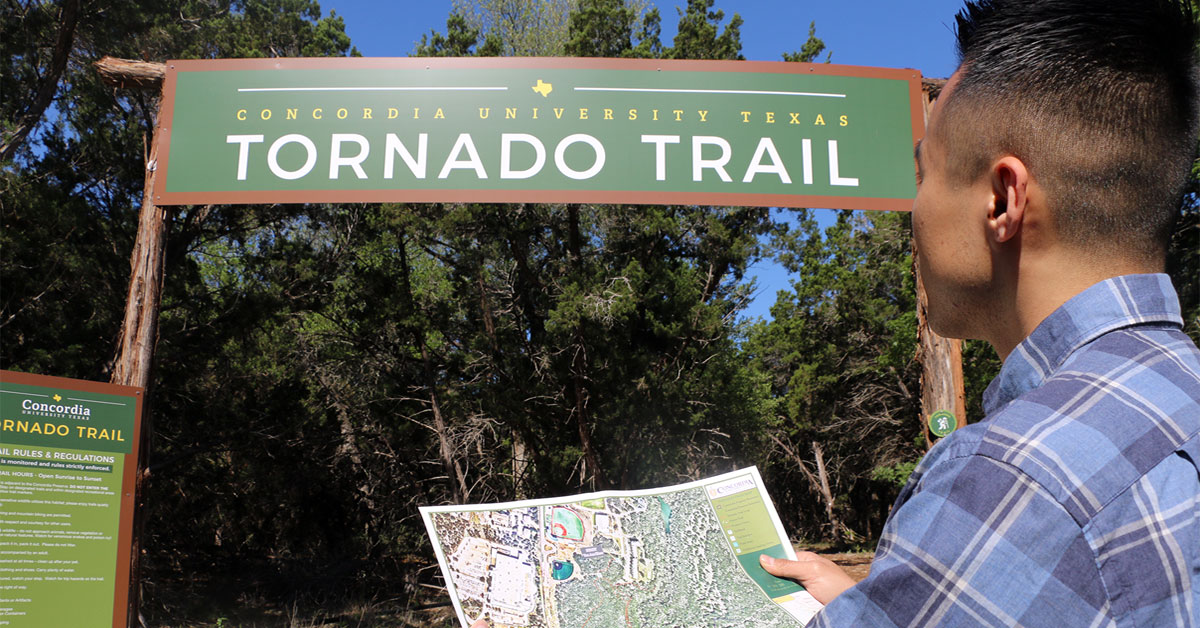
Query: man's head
x=1093 y=102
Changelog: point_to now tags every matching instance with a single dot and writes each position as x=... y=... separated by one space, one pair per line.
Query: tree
x=525 y=28
x=698 y=36
x=839 y=357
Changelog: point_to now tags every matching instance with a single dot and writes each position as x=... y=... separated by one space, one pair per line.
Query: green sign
x=942 y=423
x=68 y=456
x=538 y=130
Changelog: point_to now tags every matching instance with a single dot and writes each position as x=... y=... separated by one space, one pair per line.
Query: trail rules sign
x=538 y=130
x=68 y=461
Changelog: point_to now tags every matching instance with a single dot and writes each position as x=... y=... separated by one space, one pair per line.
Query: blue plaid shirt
x=1076 y=502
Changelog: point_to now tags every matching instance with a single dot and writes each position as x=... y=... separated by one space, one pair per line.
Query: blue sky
x=886 y=33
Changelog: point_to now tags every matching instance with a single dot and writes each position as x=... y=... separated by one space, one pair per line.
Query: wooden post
x=139 y=331
x=940 y=358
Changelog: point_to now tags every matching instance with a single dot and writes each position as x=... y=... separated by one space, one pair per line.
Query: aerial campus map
x=684 y=555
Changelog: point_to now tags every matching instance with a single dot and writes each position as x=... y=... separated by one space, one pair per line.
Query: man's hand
x=480 y=624
x=823 y=579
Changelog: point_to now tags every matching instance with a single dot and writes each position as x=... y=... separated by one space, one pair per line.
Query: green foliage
x=1183 y=256
x=601 y=28
x=698 y=38
x=460 y=40
x=839 y=358
x=895 y=475
x=812 y=47
x=522 y=28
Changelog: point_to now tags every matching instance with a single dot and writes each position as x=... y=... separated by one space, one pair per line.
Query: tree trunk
x=451 y=466
x=579 y=365
x=819 y=482
x=522 y=464
x=826 y=494
x=130 y=73
x=139 y=336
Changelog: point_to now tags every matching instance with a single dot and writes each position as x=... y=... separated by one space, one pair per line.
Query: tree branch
x=68 y=17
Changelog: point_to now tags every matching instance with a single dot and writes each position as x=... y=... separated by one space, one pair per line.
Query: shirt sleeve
x=977 y=543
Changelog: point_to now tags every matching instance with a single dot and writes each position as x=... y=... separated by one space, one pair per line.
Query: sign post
x=943 y=399
x=68 y=452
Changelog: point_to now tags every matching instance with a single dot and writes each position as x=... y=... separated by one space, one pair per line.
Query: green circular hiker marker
x=942 y=423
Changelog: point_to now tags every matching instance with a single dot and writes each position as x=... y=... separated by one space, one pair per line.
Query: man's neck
x=1041 y=287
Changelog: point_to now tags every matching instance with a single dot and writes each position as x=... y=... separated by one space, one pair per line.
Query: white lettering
x=336 y=161
x=718 y=164
x=806 y=154
x=473 y=162
x=834 y=179
x=273 y=156
x=660 y=153
x=539 y=159
x=243 y=142
x=561 y=149
x=395 y=146
x=766 y=147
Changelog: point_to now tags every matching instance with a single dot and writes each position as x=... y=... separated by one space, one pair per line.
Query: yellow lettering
x=393 y=113
x=608 y=114
x=655 y=113
x=558 y=111
x=703 y=115
x=510 y=113
x=265 y=114
x=317 y=113
x=91 y=432
x=795 y=118
x=678 y=114
x=535 y=113
x=843 y=121
x=583 y=113
x=241 y=114
x=633 y=114
x=439 y=114
x=820 y=121
x=484 y=112
x=745 y=116
x=8 y=425
x=366 y=113
x=770 y=117
x=416 y=113
x=291 y=113
x=342 y=113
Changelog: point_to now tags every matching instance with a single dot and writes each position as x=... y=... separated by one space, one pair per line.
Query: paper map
x=684 y=555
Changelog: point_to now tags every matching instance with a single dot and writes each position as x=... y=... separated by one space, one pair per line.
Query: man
x=1049 y=182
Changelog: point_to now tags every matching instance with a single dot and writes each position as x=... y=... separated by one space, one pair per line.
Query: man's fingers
x=480 y=624
x=799 y=569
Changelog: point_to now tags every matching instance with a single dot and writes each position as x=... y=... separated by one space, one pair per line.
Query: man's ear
x=1010 y=197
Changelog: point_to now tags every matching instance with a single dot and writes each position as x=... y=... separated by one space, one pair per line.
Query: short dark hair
x=1097 y=97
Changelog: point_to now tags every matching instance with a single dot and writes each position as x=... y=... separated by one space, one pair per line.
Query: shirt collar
x=1111 y=304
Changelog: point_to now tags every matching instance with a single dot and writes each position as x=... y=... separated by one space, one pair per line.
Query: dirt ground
x=857 y=565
